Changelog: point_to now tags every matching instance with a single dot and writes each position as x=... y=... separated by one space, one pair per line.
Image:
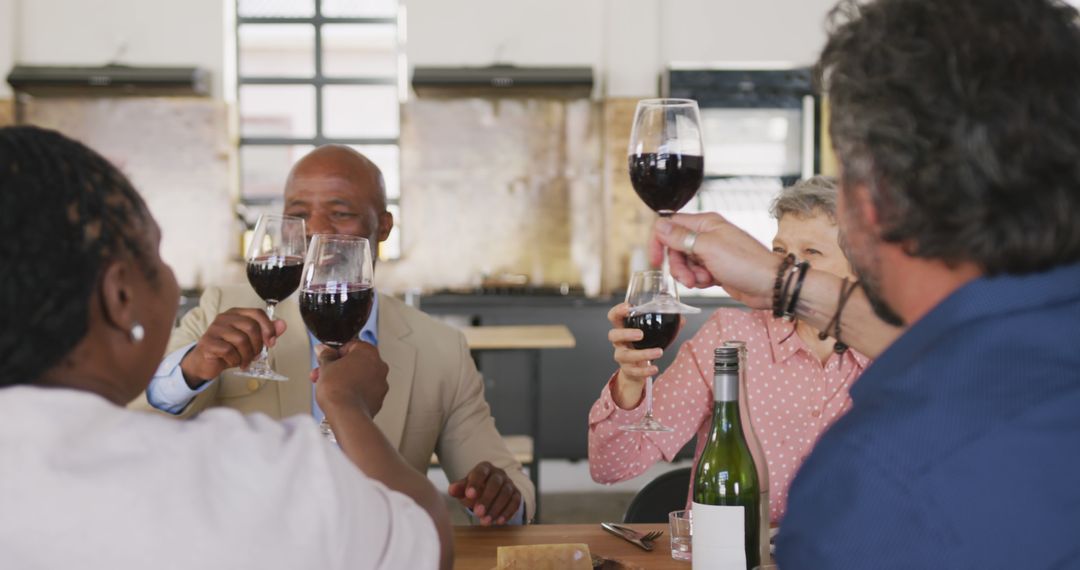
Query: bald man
x=436 y=399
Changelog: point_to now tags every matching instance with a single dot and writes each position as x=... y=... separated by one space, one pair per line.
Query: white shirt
x=80 y=482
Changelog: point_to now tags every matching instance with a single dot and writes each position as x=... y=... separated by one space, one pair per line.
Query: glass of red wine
x=667 y=166
x=336 y=292
x=659 y=329
x=275 y=259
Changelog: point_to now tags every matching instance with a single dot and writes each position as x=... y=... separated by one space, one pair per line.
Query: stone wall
x=629 y=219
x=533 y=187
x=7 y=112
x=177 y=154
x=499 y=186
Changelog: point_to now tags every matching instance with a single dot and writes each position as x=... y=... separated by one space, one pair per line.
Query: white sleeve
x=301 y=490
x=372 y=519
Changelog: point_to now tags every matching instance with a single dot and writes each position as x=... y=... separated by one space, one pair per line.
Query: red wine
x=335 y=314
x=666 y=182
x=659 y=328
x=275 y=277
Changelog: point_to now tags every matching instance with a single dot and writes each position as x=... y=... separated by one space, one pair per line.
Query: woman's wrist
x=627 y=391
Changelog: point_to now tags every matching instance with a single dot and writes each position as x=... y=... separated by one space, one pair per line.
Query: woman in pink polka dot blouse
x=797 y=385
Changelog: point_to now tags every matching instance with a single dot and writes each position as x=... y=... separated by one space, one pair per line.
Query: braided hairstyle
x=65 y=213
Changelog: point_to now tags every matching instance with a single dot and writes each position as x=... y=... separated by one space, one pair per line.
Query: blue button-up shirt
x=962 y=447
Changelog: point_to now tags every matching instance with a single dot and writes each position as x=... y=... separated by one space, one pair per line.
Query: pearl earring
x=137 y=332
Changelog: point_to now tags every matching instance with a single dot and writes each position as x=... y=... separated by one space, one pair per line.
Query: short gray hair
x=806 y=198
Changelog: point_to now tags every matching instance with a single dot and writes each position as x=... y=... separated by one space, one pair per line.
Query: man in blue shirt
x=957 y=127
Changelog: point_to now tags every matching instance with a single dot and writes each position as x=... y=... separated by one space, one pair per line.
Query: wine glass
x=659 y=329
x=336 y=292
x=667 y=166
x=275 y=259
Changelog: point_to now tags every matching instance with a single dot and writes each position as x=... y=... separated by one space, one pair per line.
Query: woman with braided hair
x=86 y=307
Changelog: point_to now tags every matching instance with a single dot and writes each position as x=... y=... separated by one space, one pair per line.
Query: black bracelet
x=802 y=268
x=840 y=346
x=846 y=291
x=778 y=297
x=824 y=333
x=792 y=272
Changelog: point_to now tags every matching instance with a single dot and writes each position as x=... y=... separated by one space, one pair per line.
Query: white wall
x=92 y=32
x=628 y=42
x=523 y=32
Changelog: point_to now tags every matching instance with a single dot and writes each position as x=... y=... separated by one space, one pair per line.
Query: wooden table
x=475 y=547
x=530 y=339
x=518 y=337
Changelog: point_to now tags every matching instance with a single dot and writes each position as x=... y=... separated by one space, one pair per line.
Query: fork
x=645 y=541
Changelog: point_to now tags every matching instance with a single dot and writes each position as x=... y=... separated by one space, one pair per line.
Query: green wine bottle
x=727 y=496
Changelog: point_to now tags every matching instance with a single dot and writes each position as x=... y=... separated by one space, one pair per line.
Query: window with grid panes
x=312 y=72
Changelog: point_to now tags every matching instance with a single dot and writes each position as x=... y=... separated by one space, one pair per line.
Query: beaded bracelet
x=778 y=294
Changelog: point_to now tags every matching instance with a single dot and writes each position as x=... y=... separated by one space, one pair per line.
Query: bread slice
x=545 y=557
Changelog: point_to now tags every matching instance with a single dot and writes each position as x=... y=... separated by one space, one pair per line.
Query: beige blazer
x=435 y=403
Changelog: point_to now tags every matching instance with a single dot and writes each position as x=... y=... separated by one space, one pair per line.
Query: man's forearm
x=364 y=445
x=860 y=328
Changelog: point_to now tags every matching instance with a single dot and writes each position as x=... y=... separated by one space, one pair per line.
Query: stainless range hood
x=108 y=81
x=503 y=80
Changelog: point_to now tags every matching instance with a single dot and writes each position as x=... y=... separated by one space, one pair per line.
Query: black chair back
x=662 y=495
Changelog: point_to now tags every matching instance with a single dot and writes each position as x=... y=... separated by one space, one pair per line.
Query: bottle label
x=718 y=538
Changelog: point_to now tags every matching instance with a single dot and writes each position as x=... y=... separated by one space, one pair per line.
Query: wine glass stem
x=264 y=356
x=665 y=267
x=648 y=393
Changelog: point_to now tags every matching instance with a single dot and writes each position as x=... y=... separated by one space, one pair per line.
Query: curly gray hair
x=806 y=198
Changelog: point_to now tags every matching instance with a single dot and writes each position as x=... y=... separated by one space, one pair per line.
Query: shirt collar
x=980 y=299
x=861 y=359
x=782 y=338
x=785 y=342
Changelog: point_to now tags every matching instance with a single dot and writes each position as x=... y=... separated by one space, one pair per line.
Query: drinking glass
x=275 y=259
x=336 y=292
x=659 y=328
x=667 y=165
x=682 y=526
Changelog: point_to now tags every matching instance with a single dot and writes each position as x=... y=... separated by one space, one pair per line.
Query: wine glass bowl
x=666 y=161
x=275 y=259
x=336 y=291
x=335 y=313
x=659 y=329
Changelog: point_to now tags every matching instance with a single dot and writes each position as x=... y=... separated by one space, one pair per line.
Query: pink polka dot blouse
x=793 y=398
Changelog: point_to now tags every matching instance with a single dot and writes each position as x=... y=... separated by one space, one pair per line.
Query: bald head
x=345 y=163
x=338 y=190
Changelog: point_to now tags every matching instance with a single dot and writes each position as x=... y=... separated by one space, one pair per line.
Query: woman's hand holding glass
x=635 y=365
